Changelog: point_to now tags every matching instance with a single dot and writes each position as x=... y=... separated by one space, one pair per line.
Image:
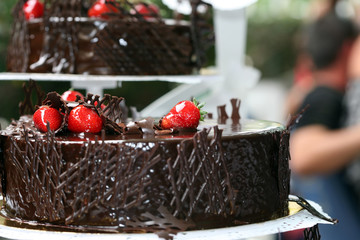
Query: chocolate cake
x=137 y=177
x=124 y=42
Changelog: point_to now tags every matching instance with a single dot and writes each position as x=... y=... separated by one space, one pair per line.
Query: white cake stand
x=96 y=83
x=299 y=218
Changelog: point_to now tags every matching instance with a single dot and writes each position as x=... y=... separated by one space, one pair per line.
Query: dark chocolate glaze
x=65 y=40
x=222 y=175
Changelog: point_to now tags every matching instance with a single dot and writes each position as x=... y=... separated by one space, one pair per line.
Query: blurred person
x=321 y=148
x=303 y=81
x=352 y=103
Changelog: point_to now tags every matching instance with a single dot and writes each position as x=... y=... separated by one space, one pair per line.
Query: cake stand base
x=299 y=218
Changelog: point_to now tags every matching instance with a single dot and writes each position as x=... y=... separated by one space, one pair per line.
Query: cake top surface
x=73 y=117
x=246 y=127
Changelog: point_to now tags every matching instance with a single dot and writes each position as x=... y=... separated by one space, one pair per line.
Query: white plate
x=298 y=219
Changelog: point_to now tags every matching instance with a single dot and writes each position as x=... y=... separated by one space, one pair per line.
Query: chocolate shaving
x=144 y=126
x=165 y=131
x=132 y=127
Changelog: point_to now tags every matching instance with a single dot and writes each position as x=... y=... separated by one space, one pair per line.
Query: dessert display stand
x=303 y=215
x=97 y=83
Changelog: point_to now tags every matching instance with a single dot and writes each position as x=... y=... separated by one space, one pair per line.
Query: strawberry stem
x=199 y=106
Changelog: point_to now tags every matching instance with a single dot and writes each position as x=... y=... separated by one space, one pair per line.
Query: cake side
x=166 y=181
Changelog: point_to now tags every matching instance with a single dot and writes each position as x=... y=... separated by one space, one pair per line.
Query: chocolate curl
x=54 y=100
x=294 y=119
x=222 y=115
x=235 y=103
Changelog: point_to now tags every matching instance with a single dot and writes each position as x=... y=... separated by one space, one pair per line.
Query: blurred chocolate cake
x=122 y=40
x=134 y=176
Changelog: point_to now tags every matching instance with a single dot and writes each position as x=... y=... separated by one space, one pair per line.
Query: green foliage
x=5 y=28
x=271 y=45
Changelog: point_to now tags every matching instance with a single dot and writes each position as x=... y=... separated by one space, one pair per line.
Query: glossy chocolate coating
x=117 y=47
x=66 y=40
x=231 y=175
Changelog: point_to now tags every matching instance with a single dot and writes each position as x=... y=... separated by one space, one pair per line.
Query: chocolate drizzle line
x=39 y=165
x=129 y=183
x=210 y=182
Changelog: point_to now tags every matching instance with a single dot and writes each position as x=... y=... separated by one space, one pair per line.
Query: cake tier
x=222 y=175
x=101 y=47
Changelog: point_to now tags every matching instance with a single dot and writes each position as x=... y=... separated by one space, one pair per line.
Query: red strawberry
x=184 y=115
x=70 y=95
x=47 y=114
x=33 y=9
x=100 y=8
x=84 y=119
x=147 y=10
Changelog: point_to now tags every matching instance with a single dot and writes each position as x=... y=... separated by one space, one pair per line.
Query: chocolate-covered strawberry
x=184 y=115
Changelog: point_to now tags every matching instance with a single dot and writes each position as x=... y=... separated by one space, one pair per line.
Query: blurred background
x=274 y=29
